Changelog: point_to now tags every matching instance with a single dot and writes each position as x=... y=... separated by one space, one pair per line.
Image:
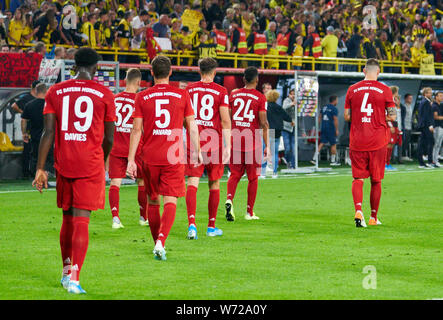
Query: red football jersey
x=124 y=109
x=163 y=109
x=81 y=108
x=207 y=99
x=368 y=101
x=245 y=105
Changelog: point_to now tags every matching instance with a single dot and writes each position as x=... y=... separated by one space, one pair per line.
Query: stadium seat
x=6 y=145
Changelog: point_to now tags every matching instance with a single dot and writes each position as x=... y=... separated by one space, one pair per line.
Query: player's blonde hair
x=272 y=95
x=426 y=89
x=133 y=74
x=394 y=90
x=395 y=95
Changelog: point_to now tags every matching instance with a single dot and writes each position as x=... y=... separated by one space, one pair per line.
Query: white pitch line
x=281 y=177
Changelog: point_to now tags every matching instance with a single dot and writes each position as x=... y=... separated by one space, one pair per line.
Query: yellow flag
x=427 y=64
x=191 y=19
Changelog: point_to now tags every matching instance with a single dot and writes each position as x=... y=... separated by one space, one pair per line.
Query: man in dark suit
x=437 y=112
x=426 y=127
x=32 y=125
x=407 y=118
x=18 y=107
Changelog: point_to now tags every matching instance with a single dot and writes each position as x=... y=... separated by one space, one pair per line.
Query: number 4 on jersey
x=366 y=108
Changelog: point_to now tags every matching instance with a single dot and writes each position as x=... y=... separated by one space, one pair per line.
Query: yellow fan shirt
x=15 y=31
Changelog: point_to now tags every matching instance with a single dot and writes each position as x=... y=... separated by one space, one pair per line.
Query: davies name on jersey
x=75 y=137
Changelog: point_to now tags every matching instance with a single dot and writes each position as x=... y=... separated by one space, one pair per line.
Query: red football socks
x=233 y=180
x=388 y=156
x=357 y=193
x=114 y=198
x=154 y=220
x=191 y=203
x=142 y=202
x=214 y=200
x=66 y=242
x=252 y=194
x=167 y=221
x=375 y=198
x=80 y=240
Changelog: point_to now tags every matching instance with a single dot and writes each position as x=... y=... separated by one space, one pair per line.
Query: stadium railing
x=186 y=58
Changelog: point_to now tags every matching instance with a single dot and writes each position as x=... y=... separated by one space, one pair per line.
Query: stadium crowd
x=399 y=30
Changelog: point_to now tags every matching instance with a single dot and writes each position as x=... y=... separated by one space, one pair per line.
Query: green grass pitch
x=305 y=246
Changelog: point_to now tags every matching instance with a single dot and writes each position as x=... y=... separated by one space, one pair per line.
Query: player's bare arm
x=391 y=113
x=108 y=138
x=24 y=124
x=264 y=125
x=16 y=108
x=46 y=141
x=347 y=115
x=191 y=126
x=437 y=117
x=336 y=125
x=134 y=140
x=225 y=116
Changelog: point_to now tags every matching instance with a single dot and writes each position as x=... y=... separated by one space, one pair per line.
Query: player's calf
x=114 y=203
x=142 y=202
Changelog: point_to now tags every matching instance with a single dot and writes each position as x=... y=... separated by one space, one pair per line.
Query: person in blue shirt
x=15 y=4
x=438 y=31
x=329 y=129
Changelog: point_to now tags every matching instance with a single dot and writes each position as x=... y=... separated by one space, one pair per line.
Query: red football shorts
x=214 y=167
x=118 y=166
x=367 y=164
x=81 y=193
x=245 y=161
x=165 y=180
x=396 y=137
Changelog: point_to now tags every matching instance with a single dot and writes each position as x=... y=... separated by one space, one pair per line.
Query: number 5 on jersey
x=159 y=112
